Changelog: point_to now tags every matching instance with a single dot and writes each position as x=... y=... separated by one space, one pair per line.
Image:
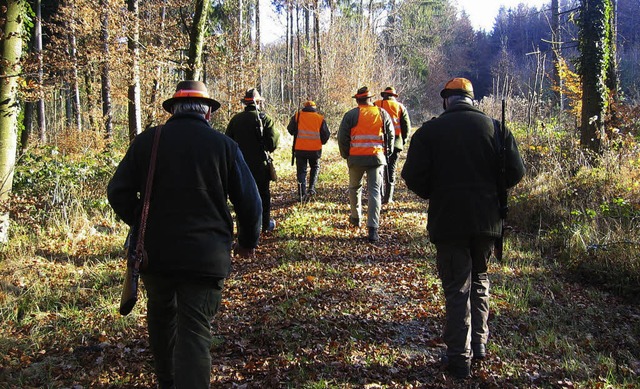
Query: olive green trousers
x=179 y=315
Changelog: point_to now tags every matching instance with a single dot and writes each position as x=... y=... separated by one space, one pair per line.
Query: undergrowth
x=318 y=306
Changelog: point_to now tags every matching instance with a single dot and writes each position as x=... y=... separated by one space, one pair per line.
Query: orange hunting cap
x=391 y=91
x=309 y=103
x=362 y=93
x=195 y=90
x=457 y=86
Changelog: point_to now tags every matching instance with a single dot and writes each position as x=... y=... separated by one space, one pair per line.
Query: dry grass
x=319 y=307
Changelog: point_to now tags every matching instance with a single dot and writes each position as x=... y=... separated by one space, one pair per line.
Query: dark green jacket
x=189 y=228
x=244 y=128
x=452 y=161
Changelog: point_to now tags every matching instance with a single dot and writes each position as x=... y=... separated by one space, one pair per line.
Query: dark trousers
x=392 y=162
x=462 y=268
x=301 y=173
x=263 y=184
x=390 y=176
x=179 y=315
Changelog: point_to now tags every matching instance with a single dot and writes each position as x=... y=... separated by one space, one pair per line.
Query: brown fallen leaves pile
x=318 y=307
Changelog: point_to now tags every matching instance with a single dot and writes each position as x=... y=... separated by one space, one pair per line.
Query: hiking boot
x=479 y=351
x=373 y=235
x=270 y=227
x=459 y=368
x=354 y=221
x=461 y=371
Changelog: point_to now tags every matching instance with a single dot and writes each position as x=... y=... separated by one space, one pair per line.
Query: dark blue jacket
x=190 y=227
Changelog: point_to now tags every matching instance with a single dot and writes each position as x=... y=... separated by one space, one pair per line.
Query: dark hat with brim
x=389 y=91
x=362 y=93
x=194 y=90
x=251 y=96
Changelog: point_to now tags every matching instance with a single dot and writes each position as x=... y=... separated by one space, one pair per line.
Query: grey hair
x=456 y=99
x=197 y=106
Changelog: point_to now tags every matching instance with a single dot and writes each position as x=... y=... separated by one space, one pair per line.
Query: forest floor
x=317 y=307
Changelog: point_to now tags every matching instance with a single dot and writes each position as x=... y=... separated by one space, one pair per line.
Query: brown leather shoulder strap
x=147 y=193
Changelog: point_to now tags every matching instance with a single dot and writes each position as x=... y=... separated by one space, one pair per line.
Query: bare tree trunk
x=42 y=123
x=241 y=38
x=14 y=15
x=258 y=47
x=196 y=40
x=556 y=46
x=105 y=76
x=134 y=84
x=308 y=53
x=292 y=66
x=612 y=67
x=316 y=17
x=89 y=75
x=75 y=83
x=158 y=74
x=298 y=55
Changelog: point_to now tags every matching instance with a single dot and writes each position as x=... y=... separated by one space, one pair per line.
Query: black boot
x=302 y=192
x=373 y=235
x=388 y=194
x=313 y=178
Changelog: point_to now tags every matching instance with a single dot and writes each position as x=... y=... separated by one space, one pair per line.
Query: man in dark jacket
x=310 y=132
x=256 y=135
x=453 y=162
x=189 y=234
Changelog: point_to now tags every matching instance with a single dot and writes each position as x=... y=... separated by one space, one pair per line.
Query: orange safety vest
x=394 y=109
x=309 y=125
x=367 y=137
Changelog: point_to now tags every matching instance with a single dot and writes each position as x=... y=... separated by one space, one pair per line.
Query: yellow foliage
x=571 y=87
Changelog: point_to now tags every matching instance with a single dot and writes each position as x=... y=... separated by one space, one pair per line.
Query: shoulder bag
x=136 y=254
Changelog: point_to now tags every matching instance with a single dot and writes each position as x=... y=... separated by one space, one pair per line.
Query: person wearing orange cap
x=365 y=135
x=453 y=162
x=256 y=135
x=189 y=230
x=401 y=125
x=310 y=132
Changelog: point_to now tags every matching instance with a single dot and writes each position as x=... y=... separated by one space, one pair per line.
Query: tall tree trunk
x=298 y=74
x=42 y=123
x=556 y=46
x=14 y=15
x=595 y=47
x=105 y=76
x=258 y=47
x=89 y=76
x=75 y=82
x=158 y=74
x=134 y=84
x=241 y=39
x=196 y=40
x=612 y=68
x=307 y=52
x=316 y=18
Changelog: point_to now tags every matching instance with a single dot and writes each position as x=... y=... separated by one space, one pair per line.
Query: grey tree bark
x=10 y=69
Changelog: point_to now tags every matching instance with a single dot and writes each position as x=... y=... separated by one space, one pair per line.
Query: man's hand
x=242 y=251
